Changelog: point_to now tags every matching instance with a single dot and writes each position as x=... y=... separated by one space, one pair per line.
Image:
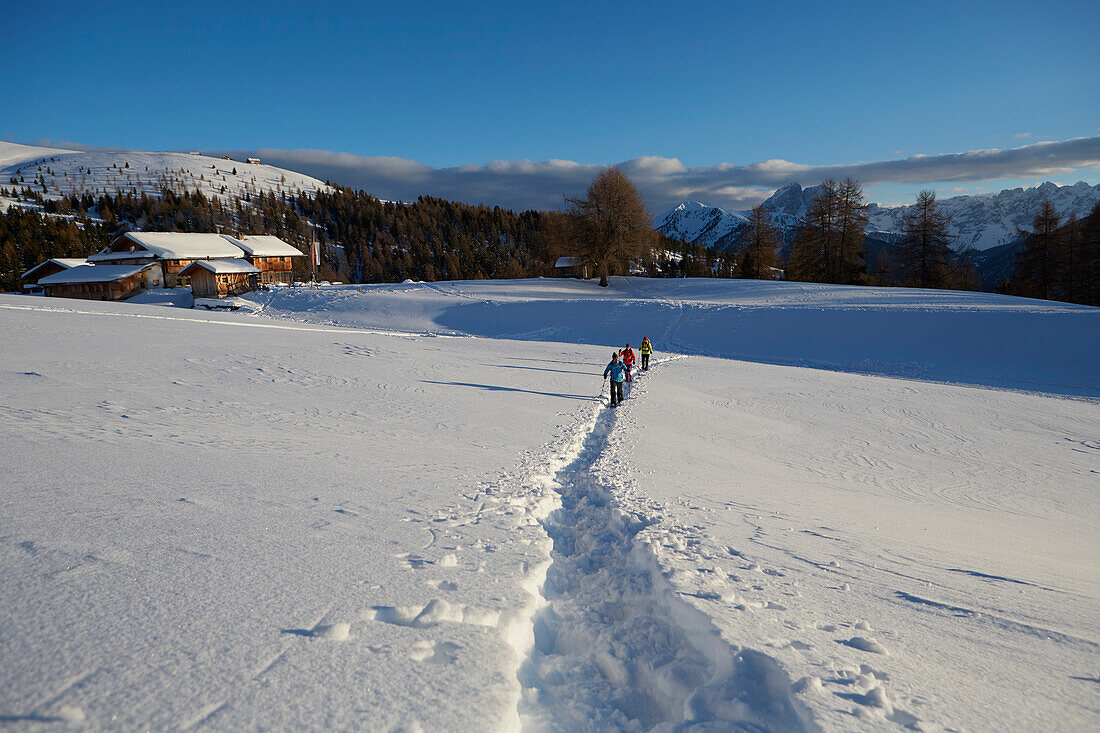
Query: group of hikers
x=621 y=368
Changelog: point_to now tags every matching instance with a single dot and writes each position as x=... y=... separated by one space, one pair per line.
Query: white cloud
x=1022 y=135
x=523 y=184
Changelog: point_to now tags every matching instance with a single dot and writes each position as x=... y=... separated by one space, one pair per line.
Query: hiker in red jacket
x=627 y=355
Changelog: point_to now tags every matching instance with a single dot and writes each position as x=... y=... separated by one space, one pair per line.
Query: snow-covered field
x=404 y=507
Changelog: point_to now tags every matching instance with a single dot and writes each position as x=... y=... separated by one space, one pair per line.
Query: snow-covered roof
x=222 y=267
x=105 y=255
x=173 y=246
x=569 y=262
x=265 y=245
x=92 y=274
x=66 y=263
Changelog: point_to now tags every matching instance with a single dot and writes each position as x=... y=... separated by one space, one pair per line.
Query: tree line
x=1059 y=260
x=365 y=239
x=610 y=229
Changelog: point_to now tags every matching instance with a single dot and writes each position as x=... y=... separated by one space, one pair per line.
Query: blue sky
x=455 y=84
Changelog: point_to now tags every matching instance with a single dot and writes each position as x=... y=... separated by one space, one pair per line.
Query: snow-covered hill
x=373 y=508
x=981 y=222
x=54 y=172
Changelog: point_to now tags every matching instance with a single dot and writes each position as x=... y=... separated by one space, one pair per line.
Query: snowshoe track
x=613 y=648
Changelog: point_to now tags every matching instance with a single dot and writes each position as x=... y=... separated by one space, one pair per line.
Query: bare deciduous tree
x=758 y=247
x=611 y=224
x=829 y=245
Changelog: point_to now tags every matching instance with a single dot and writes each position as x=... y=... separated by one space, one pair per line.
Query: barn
x=172 y=252
x=275 y=258
x=571 y=267
x=101 y=282
x=30 y=278
x=220 y=278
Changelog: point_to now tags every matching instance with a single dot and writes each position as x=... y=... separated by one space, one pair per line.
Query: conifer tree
x=1037 y=265
x=758 y=246
x=925 y=245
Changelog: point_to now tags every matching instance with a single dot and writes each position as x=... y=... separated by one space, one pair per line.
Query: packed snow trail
x=613 y=649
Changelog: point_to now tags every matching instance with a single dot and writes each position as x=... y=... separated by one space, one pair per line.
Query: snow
x=223 y=267
x=180 y=297
x=265 y=245
x=12 y=154
x=173 y=246
x=139 y=171
x=404 y=507
x=695 y=222
x=66 y=262
x=981 y=221
x=948 y=336
x=91 y=274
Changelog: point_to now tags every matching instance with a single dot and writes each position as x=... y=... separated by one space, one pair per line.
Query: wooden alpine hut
x=100 y=282
x=275 y=258
x=30 y=278
x=571 y=267
x=172 y=252
x=220 y=278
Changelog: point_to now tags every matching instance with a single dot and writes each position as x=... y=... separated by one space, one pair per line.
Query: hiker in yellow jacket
x=646 y=349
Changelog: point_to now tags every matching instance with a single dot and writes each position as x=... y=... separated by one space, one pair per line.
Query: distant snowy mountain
x=65 y=172
x=981 y=222
x=692 y=221
x=991 y=220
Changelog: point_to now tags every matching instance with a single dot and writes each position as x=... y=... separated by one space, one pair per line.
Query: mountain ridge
x=979 y=221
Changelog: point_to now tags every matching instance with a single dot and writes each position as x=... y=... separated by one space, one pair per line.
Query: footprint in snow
x=332 y=632
x=863 y=644
x=433 y=613
x=442 y=652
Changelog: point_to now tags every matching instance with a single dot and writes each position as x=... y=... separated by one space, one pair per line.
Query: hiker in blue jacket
x=617 y=370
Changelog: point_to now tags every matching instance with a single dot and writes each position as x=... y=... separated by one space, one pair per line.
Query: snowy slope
x=980 y=222
x=268 y=519
x=212 y=523
x=949 y=336
x=136 y=171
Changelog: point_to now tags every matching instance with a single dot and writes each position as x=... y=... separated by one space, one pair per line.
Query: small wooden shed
x=220 y=278
x=571 y=267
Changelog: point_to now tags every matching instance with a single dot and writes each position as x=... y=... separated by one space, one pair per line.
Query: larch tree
x=829 y=245
x=816 y=237
x=611 y=224
x=1091 y=260
x=925 y=247
x=758 y=247
x=1038 y=264
x=849 y=266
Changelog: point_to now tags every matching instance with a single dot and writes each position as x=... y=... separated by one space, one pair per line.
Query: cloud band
x=525 y=184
